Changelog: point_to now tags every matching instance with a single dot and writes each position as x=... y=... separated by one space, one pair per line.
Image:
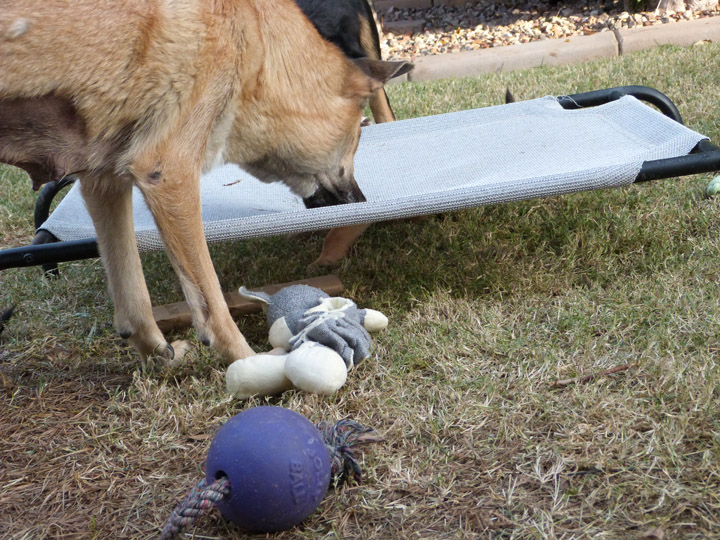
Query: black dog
x=350 y=25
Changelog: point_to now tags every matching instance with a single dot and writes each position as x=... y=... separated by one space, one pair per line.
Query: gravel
x=409 y=33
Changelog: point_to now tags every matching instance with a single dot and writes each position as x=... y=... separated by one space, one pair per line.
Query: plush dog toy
x=316 y=339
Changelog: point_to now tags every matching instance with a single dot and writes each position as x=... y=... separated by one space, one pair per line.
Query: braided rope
x=195 y=504
x=340 y=439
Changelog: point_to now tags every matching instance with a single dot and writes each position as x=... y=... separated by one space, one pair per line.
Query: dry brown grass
x=488 y=309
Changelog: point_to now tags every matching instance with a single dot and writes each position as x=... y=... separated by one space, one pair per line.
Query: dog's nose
x=355 y=194
x=325 y=197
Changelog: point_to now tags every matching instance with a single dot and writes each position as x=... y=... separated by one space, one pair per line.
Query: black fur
x=338 y=21
x=5 y=317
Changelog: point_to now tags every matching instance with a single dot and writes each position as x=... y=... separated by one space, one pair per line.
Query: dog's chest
x=44 y=136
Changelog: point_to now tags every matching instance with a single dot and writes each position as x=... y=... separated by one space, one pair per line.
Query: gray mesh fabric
x=435 y=164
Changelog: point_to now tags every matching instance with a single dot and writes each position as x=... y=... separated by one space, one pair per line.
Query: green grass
x=488 y=308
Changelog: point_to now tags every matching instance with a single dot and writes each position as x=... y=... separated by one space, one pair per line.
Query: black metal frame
x=705 y=157
x=46 y=251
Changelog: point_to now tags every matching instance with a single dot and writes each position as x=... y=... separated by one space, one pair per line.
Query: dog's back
x=109 y=77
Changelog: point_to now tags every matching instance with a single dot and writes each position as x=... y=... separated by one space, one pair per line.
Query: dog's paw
x=181 y=348
x=322 y=264
x=172 y=354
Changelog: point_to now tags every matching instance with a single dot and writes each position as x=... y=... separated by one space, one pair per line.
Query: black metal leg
x=45 y=199
x=44 y=237
x=50 y=253
x=45 y=250
x=42 y=212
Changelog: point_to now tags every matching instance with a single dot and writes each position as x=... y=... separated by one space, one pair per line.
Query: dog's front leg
x=337 y=244
x=172 y=192
x=109 y=202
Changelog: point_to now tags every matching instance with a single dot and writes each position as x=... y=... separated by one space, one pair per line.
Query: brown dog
x=151 y=93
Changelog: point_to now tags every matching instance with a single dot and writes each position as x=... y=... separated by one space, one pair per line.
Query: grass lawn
x=488 y=308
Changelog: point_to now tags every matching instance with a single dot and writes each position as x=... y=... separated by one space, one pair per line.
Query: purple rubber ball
x=277 y=464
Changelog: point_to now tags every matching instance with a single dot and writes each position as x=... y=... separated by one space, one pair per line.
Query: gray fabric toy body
x=316 y=340
x=300 y=314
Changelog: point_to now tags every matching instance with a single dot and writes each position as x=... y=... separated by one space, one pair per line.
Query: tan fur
x=150 y=93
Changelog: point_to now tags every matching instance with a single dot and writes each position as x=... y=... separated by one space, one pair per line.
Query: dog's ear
x=381 y=70
x=373 y=74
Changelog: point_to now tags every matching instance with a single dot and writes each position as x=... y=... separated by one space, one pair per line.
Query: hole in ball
x=222 y=474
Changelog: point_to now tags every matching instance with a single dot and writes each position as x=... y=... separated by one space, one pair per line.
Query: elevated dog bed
x=524 y=150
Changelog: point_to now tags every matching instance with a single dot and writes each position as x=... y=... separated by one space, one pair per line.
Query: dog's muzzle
x=325 y=197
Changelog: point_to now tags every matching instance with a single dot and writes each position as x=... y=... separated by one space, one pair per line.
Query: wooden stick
x=567 y=382
x=174 y=316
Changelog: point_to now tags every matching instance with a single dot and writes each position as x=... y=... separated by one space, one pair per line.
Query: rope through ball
x=268 y=468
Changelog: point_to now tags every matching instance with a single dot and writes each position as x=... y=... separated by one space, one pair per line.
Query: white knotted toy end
x=315 y=368
x=280 y=334
x=374 y=321
x=261 y=375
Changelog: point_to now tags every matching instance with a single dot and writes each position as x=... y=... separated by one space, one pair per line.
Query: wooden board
x=174 y=316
